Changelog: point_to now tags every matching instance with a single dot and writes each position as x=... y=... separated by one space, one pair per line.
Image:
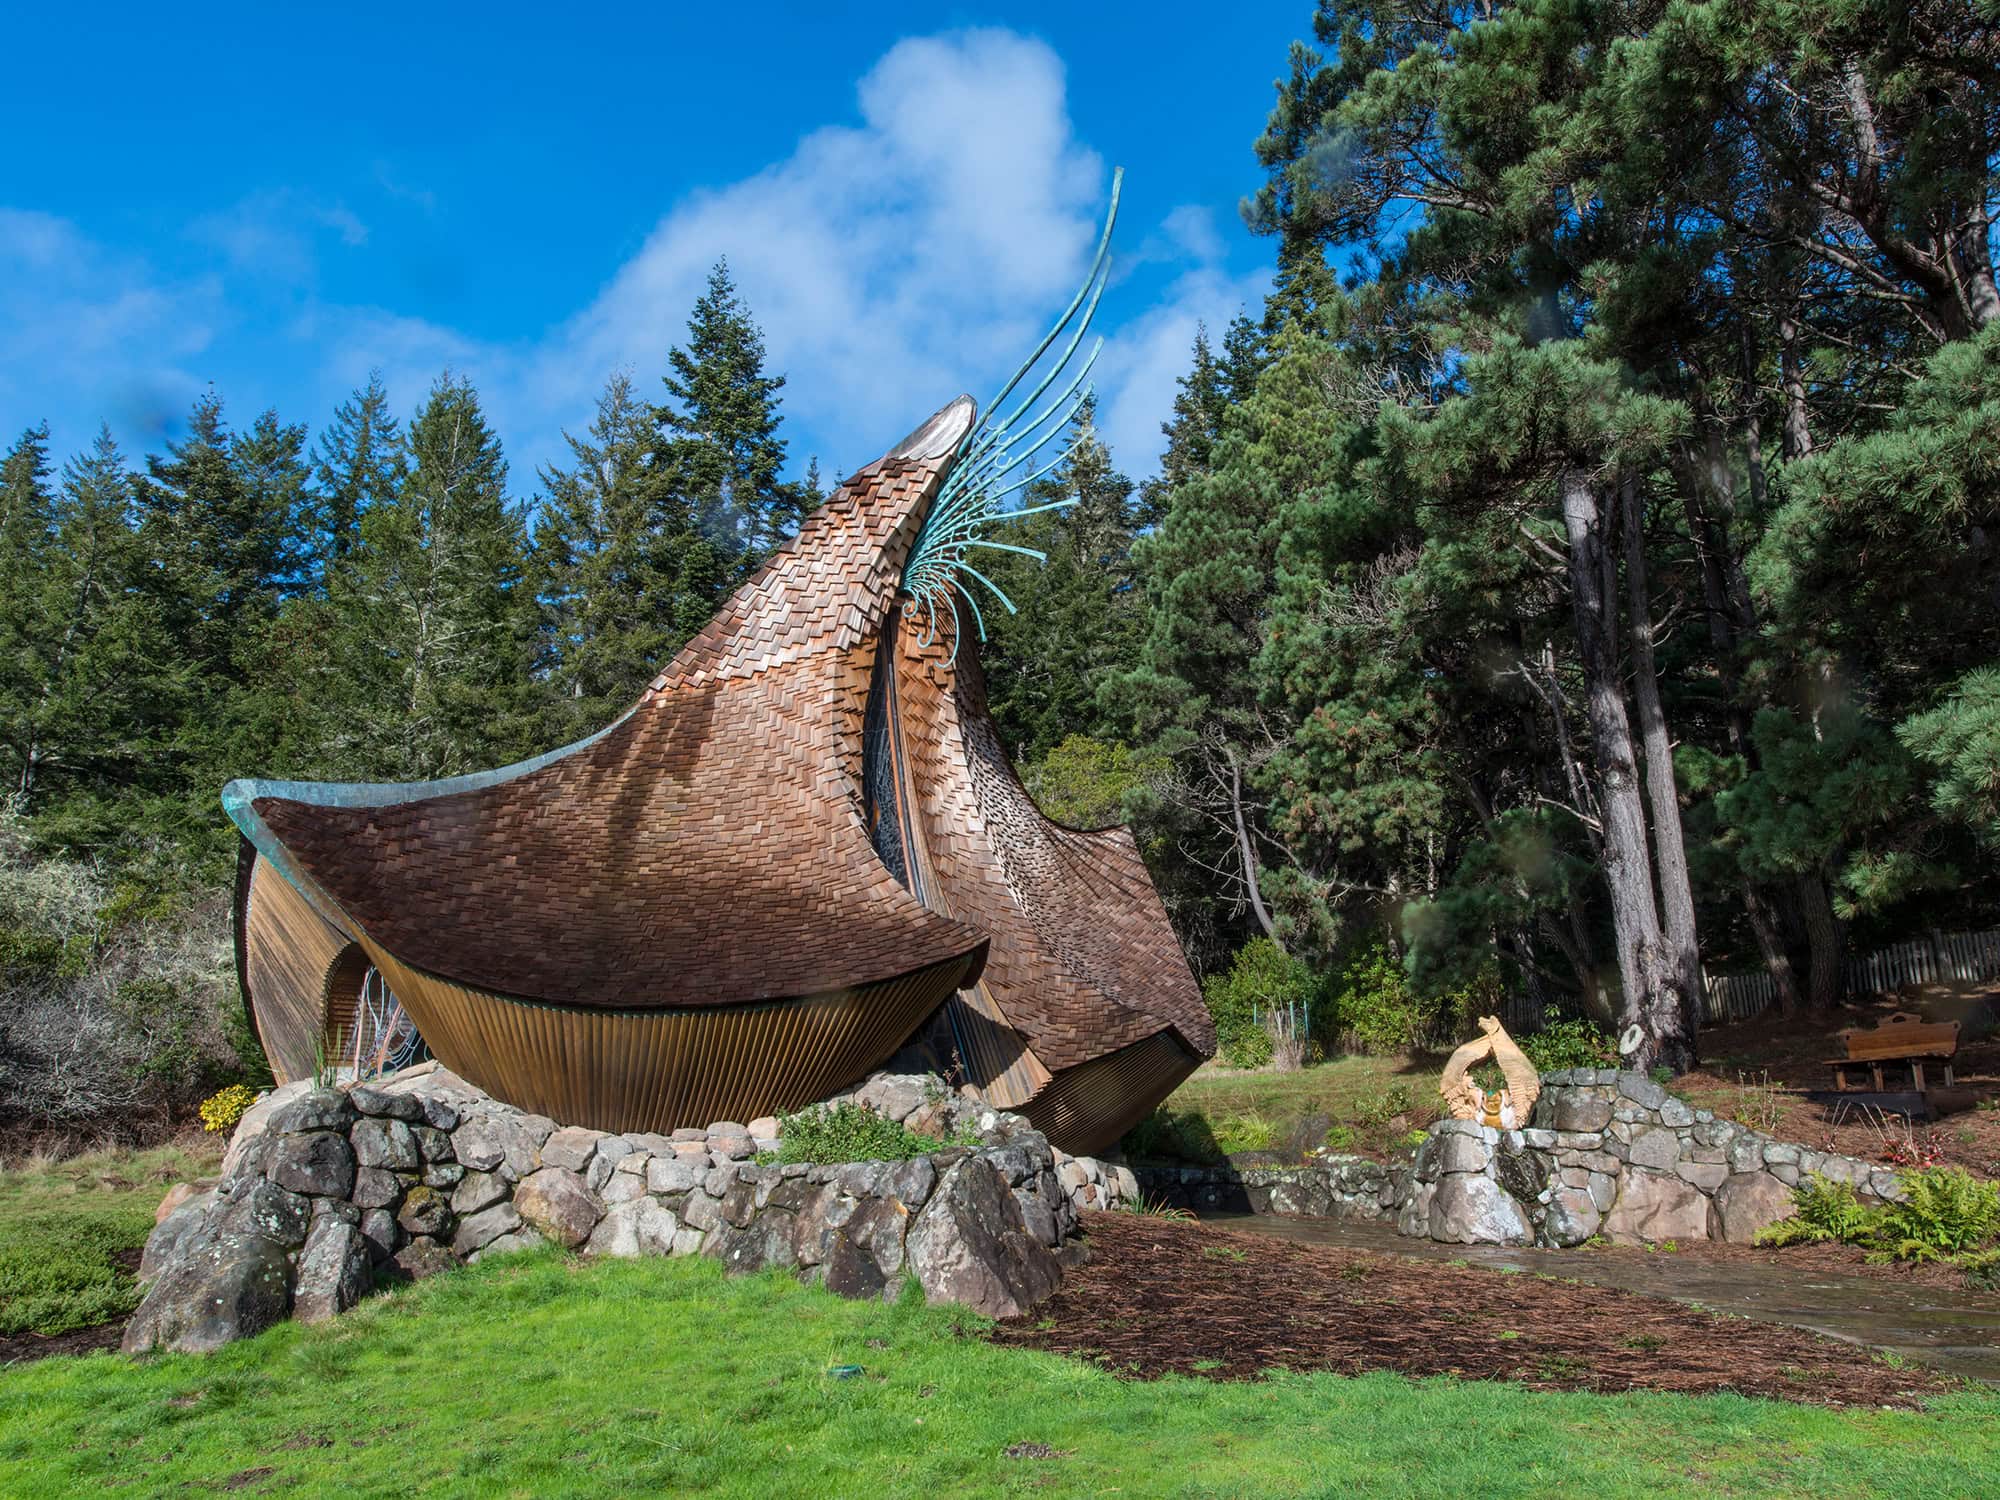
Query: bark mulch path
x=1158 y=1297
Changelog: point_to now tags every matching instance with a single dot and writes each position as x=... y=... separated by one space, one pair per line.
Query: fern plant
x=1824 y=1212
x=1946 y=1210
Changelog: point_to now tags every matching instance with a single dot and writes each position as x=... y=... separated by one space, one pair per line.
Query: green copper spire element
x=990 y=453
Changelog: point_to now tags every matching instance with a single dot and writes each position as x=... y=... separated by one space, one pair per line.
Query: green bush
x=1262 y=978
x=1945 y=1211
x=57 y=1272
x=1375 y=1007
x=850 y=1132
x=1946 y=1214
x=1572 y=1043
x=1823 y=1212
x=1083 y=781
x=1246 y=1132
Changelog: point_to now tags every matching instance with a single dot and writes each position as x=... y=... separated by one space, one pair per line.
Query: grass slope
x=63 y=1223
x=542 y=1376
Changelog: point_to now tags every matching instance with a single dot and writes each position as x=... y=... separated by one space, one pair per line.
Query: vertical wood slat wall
x=659 y=1070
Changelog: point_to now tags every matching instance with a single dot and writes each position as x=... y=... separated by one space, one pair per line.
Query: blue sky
x=276 y=201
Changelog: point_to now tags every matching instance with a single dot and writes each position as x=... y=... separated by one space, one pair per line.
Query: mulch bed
x=19 y=1348
x=1158 y=1298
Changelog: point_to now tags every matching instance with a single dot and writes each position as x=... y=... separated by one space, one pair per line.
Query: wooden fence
x=1739 y=997
x=1930 y=959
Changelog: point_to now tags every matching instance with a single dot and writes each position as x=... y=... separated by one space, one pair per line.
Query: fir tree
x=625 y=575
x=1076 y=623
x=358 y=464
x=717 y=445
x=435 y=616
x=27 y=536
x=103 y=697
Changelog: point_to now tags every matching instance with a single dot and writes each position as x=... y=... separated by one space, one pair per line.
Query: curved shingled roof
x=707 y=849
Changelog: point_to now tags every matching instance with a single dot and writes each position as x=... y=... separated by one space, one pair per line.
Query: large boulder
x=1654 y=1207
x=164 y=1243
x=319 y=1162
x=333 y=1271
x=971 y=1246
x=229 y=1284
x=1470 y=1208
x=1747 y=1202
x=634 y=1228
x=556 y=1202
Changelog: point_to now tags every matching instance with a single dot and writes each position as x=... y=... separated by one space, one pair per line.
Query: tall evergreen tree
x=625 y=574
x=96 y=697
x=435 y=613
x=359 y=463
x=27 y=536
x=717 y=445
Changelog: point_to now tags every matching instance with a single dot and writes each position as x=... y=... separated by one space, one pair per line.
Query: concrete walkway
x=1956 y=1331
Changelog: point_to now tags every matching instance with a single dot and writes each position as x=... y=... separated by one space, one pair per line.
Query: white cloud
x=72 y=317
x=891 y=262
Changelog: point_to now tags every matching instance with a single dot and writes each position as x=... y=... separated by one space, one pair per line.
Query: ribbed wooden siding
x=661 y=1070
x=288 y=951
x=997 y=1058
x=343 y=998
x=1085 y=1109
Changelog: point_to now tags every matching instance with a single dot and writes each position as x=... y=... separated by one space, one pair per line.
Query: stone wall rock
x=1606 y=1152
x=325 y=1192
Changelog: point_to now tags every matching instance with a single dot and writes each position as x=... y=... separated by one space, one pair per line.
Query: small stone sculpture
x=1504 y=1109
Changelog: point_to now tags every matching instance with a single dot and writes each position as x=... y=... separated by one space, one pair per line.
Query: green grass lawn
x=1370 y=1102
x=62 y=1223
x=546 y=1376
x=1343 y=1087
x=541 y=1376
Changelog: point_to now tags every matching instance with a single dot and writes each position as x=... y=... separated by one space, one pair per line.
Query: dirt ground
x=1158 y=1297
x=1758 y=1072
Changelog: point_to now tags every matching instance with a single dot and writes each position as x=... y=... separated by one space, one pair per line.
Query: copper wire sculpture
x=802 y=849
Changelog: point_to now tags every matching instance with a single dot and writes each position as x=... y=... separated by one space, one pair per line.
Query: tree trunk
x=1771 y=943
x=1246 y=852
x=1653 y=1012
x=1825 y=943
x=1669 y=848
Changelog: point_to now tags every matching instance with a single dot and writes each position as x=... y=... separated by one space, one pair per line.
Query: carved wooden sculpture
x=801 y=847
x=1505 y=1109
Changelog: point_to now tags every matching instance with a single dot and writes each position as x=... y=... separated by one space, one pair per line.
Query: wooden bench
x=1902 y=1038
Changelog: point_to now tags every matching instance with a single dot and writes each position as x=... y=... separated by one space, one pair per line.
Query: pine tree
x=717 y=445
x=435 y=616
x=358 y=464
x=102 y=698
x=624 y=574
x=27 y=536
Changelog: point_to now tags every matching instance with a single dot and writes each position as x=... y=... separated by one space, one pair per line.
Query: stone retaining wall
x=1608 y=1152
x=323 y=1192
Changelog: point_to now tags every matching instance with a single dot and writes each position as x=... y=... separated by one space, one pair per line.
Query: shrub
x=220 y=1111
x=1945 y=1211
x=1374 y=1006
x=850 y=1132
x=1262 y=980
x=118 y=1007
x=1373 y=1114
x=1569 y=1043
x=1946 y=1214
x=1083 y=781
x=1246 y=1132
